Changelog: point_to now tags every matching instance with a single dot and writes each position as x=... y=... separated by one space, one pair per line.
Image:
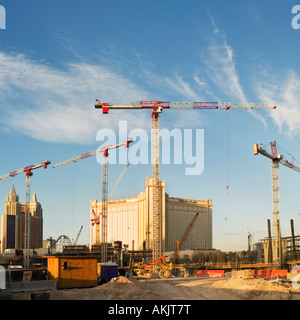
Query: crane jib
x=154 y=105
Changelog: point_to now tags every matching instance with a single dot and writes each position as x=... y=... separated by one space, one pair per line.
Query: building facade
x=13 y=223
x=130 y=221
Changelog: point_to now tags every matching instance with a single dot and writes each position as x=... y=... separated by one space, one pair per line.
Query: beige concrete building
x=130 y=221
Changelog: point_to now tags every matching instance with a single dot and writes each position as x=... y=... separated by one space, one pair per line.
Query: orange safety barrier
x=279 y=273
x=295 y=271
x=201 y=273
x=210 y=273
x=265 y=273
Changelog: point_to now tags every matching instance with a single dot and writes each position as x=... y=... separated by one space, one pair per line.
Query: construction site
x=154 y=246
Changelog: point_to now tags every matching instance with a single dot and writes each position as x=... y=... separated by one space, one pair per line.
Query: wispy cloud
x=221 y=66
x=49 y=104
x=220 y=63
x=284 y=89
x=56 y=105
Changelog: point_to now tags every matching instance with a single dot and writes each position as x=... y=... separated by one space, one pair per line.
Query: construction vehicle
x=157 y=107
x=103 y=215
x=276 y=160
x=160 y=266
x=28 y=171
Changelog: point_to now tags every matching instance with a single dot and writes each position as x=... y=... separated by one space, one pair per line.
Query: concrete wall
x=180 y=213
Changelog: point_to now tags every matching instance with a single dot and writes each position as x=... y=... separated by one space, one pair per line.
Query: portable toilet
x=109 y=270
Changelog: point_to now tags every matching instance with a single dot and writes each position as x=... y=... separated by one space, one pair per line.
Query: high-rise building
x=12 y=204
x=36 y=218
x=130 y=221
x=13 y=223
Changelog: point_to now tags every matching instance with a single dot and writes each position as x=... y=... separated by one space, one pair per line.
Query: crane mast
x=27 y=233
x=104 y=206
x=155 y=153
x=157 y=107
x=276 y=160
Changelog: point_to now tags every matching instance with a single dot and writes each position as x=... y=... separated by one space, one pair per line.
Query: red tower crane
x=29 y=173
x=157 y=107
x=96 y=218
x=276 y=160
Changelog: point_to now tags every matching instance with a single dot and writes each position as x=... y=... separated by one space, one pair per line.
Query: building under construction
x=130 y=221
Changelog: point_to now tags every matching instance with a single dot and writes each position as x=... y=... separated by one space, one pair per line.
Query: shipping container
x=73 y=271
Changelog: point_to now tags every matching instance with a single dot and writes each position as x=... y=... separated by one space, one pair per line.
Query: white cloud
x=221 y=68
x=284 y=89
x=57 y=105
x=220 y=62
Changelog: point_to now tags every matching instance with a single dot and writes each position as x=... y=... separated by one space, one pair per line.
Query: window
x=65 y=265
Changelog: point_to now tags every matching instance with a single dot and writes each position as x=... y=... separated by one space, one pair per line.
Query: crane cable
x=73 y=199
x=227 y=161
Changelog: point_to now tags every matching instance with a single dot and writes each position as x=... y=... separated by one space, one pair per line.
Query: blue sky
x=57 y=57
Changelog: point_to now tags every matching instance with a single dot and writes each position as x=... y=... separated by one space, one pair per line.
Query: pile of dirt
x=119 y=288
x=250 y=284
x=120 y=279
x=257 y=288
x=118 y=283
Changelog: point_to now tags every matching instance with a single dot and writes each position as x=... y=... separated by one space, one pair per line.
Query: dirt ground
x=189 y=288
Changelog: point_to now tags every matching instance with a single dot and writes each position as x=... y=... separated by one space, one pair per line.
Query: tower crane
x=186 y=233
x=276 y=160
x=157 y=107
x=103 y=150
x=29 y=173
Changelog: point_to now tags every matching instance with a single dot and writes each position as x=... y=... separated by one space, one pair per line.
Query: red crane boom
x=187 y=232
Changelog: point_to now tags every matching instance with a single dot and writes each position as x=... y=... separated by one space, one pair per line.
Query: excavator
x=159 y=266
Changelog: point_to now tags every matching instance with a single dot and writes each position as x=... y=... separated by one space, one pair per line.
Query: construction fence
x=264 y=273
